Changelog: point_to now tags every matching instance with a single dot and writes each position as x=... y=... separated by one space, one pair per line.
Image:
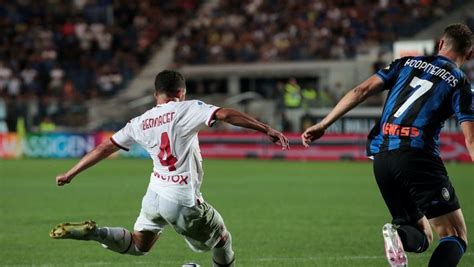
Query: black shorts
x=414 y=183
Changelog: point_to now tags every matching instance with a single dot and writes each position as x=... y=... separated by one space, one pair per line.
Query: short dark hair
x=168 y=82
x=459 y=38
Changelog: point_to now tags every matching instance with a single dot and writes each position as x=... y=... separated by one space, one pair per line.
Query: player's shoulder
x=397 y=64
x=403 y=60
x=190 y=104
x=193 y=102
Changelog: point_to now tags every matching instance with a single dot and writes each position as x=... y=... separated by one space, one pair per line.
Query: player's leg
x=222 y=253
x=416 y=237
x=409 y=230
x=122 y=241
x=452 y=232
x=148 y=226
x=203 y=229
x=147 y=229
x=437 y=198
x=117 y=239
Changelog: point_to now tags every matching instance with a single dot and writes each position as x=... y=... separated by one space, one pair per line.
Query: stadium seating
x=56 y=54
x=301 y=30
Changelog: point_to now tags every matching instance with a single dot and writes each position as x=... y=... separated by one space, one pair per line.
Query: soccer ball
x=191 y=264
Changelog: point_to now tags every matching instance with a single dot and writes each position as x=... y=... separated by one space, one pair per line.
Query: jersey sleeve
x=463 y=103
x=199 y=115
x=124 y=138
x=390 y=73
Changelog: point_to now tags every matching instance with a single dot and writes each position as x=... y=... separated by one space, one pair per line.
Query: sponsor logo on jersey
x=398 y=130
x=176 y=179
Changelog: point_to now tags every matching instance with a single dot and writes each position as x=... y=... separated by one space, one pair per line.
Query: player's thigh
x=207 y=230
x=149 y=223
x=397 y=196
x=201 y=225
x=429 y=183
x=451 y=224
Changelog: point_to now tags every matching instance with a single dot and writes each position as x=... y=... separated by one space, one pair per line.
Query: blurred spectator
x=281 y=30
x=108 y=81
x=5 y=75
x=52 y=51
x=14 y=86
x=292 y=95
x=3 y=116
x=325 y=98
x=47 y=125
x=309 y=98
x=56 y=76
x=469 y=65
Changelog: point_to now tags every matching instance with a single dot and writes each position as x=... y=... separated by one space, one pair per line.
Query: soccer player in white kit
x=169 y=132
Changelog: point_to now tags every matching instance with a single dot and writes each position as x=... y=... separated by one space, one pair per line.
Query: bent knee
x=225 y=239
x=143 y=242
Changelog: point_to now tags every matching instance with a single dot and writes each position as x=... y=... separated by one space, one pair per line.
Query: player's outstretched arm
x=99 y=153
x=468 y=131
x=354 y=97
x=238 y=118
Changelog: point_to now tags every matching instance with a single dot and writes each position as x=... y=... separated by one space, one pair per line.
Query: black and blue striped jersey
x=423 y=92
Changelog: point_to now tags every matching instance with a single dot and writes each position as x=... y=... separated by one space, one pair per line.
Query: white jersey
x=169 y=133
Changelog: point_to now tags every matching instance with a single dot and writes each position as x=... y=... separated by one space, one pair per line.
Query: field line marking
x=269 y=259
x=362 y=257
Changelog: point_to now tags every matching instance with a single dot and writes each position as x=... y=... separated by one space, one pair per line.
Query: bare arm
x=99 y=153
x=353 y=98
x=241 y=119
x=468 y=131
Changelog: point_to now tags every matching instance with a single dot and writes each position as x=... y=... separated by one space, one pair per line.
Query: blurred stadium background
x=73 y=72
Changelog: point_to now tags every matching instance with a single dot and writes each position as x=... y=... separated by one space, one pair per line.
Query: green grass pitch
x=280 y=213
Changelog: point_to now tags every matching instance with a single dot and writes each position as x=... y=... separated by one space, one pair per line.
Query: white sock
x=117 y=239
x=223 y=256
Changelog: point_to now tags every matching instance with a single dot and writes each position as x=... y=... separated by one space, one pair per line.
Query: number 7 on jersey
x=423 y=87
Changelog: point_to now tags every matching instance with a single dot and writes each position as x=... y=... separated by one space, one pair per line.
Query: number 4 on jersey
x=421 y=86
x=165 y=156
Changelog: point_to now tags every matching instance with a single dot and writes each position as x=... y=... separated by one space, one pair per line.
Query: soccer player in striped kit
x=423 y=92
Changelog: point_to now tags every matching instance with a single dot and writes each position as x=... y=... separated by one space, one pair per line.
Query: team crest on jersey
x=200 y=103
x=445 y=193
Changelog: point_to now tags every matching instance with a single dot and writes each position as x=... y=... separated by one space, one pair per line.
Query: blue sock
x=448 y=253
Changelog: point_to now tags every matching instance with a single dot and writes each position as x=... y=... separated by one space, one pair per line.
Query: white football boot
x=393 y=246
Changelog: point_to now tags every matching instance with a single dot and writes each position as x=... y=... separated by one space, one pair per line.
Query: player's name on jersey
x=447 y=76
x=157 y=121
x=176 y=179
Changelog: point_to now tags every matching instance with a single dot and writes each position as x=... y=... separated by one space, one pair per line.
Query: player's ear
x=441 y=44
x=469 y=55
x=181 y=93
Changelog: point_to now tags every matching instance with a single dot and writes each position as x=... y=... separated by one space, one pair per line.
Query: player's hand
x=279 y=139
x=63 y=179
x=312 y=133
